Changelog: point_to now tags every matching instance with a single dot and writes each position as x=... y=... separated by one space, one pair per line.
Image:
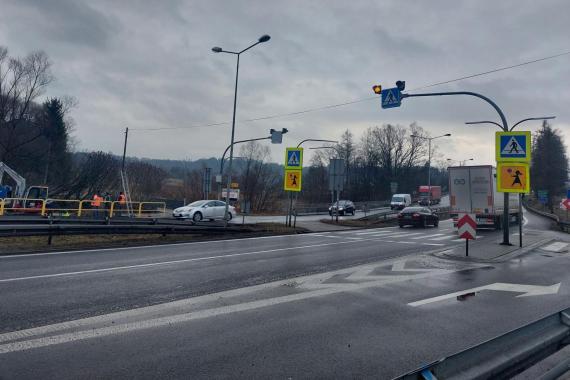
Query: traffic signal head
x=377 y=89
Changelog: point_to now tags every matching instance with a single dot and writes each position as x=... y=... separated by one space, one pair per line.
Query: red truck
x=429 y=195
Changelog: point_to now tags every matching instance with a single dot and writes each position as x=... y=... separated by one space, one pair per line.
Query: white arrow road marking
x=231 y=301
x=528 y=290
x=556 y=247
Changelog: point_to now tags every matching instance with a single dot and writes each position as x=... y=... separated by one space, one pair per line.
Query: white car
x=204 y=210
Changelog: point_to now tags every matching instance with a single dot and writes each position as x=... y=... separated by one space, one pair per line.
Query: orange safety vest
x=96 y=201
x=122 y=199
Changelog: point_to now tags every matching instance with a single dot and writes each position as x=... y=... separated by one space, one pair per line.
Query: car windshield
x=397 y=199
x=196 y=204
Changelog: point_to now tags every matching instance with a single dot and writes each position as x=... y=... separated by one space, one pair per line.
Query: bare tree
x=22 y=80
x=145 y=180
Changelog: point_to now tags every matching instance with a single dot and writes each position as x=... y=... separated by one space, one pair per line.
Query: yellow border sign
x=294 y=158
x=512 y=146
x=513 y=177
x=293 y=180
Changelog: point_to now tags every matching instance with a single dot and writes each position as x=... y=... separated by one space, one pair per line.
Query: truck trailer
x=473 y=190
x=429 y=195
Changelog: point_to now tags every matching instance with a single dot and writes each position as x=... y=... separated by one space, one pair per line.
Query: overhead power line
x=350 y=102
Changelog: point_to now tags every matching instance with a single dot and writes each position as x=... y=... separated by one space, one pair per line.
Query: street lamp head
x=284 y=130
x=447 y=134
x=264 y=38
x=217 y=49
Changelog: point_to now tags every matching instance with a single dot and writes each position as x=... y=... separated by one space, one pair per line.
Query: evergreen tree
x=549 y=167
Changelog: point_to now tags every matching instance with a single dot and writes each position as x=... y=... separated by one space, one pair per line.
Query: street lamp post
x=216 y=49
x=429 y=159
x=506 y=212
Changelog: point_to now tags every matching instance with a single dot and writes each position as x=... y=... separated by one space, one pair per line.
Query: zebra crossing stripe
x=425 y=236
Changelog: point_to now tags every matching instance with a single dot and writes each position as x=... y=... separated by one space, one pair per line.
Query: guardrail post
x=140 y=209
x=49 y=230
x=2 y=206
x=43 y=213
x=112 y=209
x=80 y=209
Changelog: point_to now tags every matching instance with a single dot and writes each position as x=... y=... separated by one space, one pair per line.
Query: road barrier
x=504 y=356
x=79 y=208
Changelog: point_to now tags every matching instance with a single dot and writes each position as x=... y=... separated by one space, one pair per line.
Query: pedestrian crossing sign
x=512 y=146
x=391 y=98
x=513 y=177
x=293 y=180
x=294 y=158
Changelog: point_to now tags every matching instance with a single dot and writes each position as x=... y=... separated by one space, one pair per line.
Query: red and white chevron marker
x=467 y=226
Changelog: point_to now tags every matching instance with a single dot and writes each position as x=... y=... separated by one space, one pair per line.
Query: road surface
x=346 y=304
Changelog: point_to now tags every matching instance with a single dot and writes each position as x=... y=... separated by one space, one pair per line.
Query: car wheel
x=436 y=223
x=229 y=216
x=423 y=223
x=197 y=217
x=401 y=226
x=353 y=212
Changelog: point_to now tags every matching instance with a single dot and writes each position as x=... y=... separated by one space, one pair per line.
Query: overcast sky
x=149 y=64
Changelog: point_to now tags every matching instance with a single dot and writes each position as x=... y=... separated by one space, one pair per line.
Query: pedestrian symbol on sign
x=513 y=148
x=293 y=159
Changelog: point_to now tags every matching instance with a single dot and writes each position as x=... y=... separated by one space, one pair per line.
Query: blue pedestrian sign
x=391 y=98
x=512 y=146
x=294 y=158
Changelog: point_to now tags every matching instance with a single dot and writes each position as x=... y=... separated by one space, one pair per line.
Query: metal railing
x=80 y=208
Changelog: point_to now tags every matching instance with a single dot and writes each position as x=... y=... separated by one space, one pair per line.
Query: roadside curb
x=506 y=256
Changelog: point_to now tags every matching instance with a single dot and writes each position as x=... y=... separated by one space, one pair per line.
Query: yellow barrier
x=159 y=207
x=65 y=207
x=80 y=208
x=23 y=205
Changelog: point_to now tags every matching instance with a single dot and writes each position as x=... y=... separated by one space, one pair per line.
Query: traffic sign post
x=512 y=146
x=293 y=176
x=467 y=229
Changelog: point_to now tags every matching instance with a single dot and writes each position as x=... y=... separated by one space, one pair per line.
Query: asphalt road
x=328 y=305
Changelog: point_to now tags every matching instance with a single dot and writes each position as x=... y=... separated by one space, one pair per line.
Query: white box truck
x=473 y=189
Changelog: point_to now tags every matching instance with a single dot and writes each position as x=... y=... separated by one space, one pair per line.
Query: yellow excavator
x=20 y=198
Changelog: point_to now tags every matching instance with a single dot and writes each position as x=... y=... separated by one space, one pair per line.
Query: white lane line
x=375 y=231
x=434 y=244
x=442 y=238
x=161 y=263
x=425 y=236
x=31 y=255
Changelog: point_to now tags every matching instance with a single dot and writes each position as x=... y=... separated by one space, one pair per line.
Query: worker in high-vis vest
x=122 y=200
x=96 y=204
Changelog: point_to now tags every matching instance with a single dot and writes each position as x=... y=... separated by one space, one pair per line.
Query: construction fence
x=80 y=208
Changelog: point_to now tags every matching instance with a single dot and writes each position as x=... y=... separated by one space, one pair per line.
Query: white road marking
x=188 y=309
x=375 y=231
x=528 y=290
x=32 y=255
x=556 y=247
x=425 y=236
x=161 y=263
x=441 y=238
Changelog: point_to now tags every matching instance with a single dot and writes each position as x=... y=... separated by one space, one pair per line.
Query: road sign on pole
x=336 y=174
x=294 y=158
x=293 y=180
x=512 y=146
x=542 y=196
x=391 y=97
x=565 y=204
x=513 y=177
x=467 y=229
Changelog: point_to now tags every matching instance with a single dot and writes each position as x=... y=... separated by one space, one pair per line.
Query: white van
x=400 y=201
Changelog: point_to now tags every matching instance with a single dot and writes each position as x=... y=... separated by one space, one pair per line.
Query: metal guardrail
x=503 y=356
x=563 y=225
